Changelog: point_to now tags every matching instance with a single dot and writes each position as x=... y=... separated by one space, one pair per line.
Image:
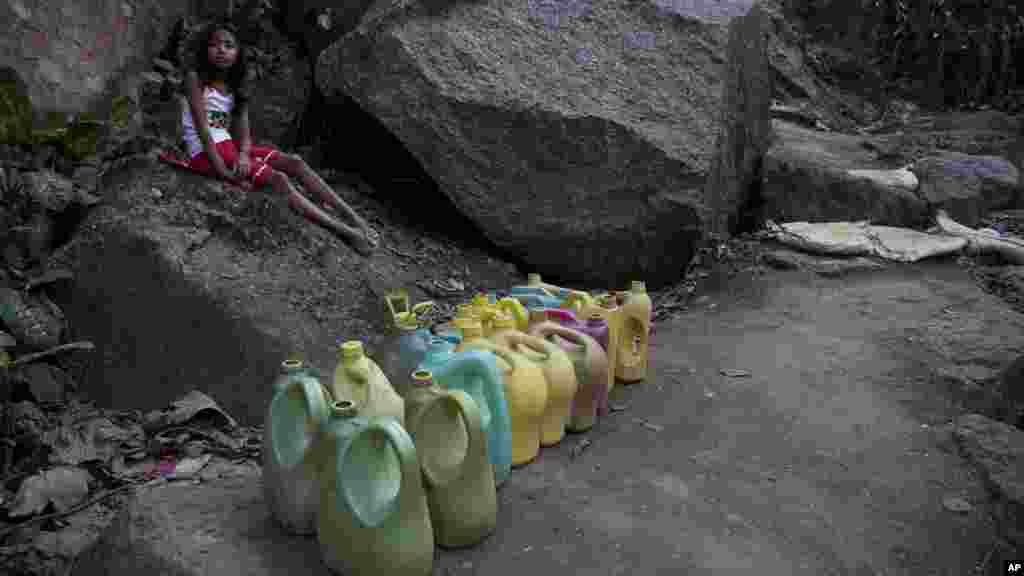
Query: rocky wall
x=72 y=53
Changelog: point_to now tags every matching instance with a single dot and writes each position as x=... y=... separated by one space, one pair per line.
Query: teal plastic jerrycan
x=476 y=372
x=292 y=369
x=373 y=517
x=451 y=445
x=294 y=420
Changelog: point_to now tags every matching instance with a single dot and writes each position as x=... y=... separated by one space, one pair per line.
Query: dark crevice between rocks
x=357 y=143
x=750 y=217
x=66 y=224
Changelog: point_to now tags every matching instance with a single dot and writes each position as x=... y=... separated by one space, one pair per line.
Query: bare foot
x=372 y=236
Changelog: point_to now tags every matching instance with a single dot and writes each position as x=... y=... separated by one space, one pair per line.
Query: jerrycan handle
x=399 y=298
x=400 y=441
x=315 y=399
x=469 y=411
x=502 y=353
x=532 y=342
x=567 y=333
x=422 y=307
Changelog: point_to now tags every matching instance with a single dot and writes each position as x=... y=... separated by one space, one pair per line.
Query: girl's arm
x=197 y=105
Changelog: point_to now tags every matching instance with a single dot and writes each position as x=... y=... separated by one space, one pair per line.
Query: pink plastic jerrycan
x=590 y=364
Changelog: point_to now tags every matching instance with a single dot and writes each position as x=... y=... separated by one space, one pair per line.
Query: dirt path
x=825 y=460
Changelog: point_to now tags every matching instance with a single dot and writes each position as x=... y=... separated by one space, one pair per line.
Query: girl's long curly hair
x=238 y=75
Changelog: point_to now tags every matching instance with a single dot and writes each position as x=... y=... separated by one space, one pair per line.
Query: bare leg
x=312 y=212
x=296 y=166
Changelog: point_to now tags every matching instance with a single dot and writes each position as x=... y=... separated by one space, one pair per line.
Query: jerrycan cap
x=351 y=349
x=638 y=287
x=344 y=409
x=422 y=379
x=533 y=279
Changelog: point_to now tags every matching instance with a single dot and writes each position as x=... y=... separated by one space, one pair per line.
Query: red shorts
x=259 y=161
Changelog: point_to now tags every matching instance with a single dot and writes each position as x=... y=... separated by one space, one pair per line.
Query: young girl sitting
x=218 y=106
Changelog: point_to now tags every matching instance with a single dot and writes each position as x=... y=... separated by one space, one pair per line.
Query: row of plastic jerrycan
x=382 y=472
x=379 y=478
x=556 y=370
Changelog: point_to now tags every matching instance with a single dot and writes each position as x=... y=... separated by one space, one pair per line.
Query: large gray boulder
x=817 y=176
x=596 y=141
x=968 y=187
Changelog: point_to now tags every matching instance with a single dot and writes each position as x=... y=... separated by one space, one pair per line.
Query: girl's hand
x=220 y=167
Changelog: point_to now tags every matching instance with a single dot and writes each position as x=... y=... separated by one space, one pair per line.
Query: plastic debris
x=193 y=405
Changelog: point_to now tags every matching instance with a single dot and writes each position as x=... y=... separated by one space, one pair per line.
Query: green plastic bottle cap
x=291 y=365
x=352 y=349
x=345 y=408
x=638 y=286
x=533 y=278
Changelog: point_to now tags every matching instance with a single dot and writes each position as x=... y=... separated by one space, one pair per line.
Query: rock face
x=204 y=287
x=968 y=187
x=583 y=138
x=807 y=177
x=998 y=449
x=69 y=53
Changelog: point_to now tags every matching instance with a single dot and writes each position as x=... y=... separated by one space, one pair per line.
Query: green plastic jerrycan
x=294 y=420
x=476 y=372
x=447 y=428
x=373 y=518
x=359 y=379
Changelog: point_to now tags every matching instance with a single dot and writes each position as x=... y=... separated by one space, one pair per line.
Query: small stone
x=957 y=504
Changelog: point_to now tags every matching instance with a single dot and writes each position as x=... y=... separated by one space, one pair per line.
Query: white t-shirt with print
x=218 y=117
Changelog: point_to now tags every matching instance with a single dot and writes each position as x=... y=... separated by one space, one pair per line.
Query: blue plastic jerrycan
x=476 y=372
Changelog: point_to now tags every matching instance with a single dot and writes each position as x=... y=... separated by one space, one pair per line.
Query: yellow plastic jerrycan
x=559 y=374
x=447 y=428
x=295 y=417
x=373 y=517
x=485 y=311
x=360 y=379
x=526 y=393
x=503 y=324
x=635 y=328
